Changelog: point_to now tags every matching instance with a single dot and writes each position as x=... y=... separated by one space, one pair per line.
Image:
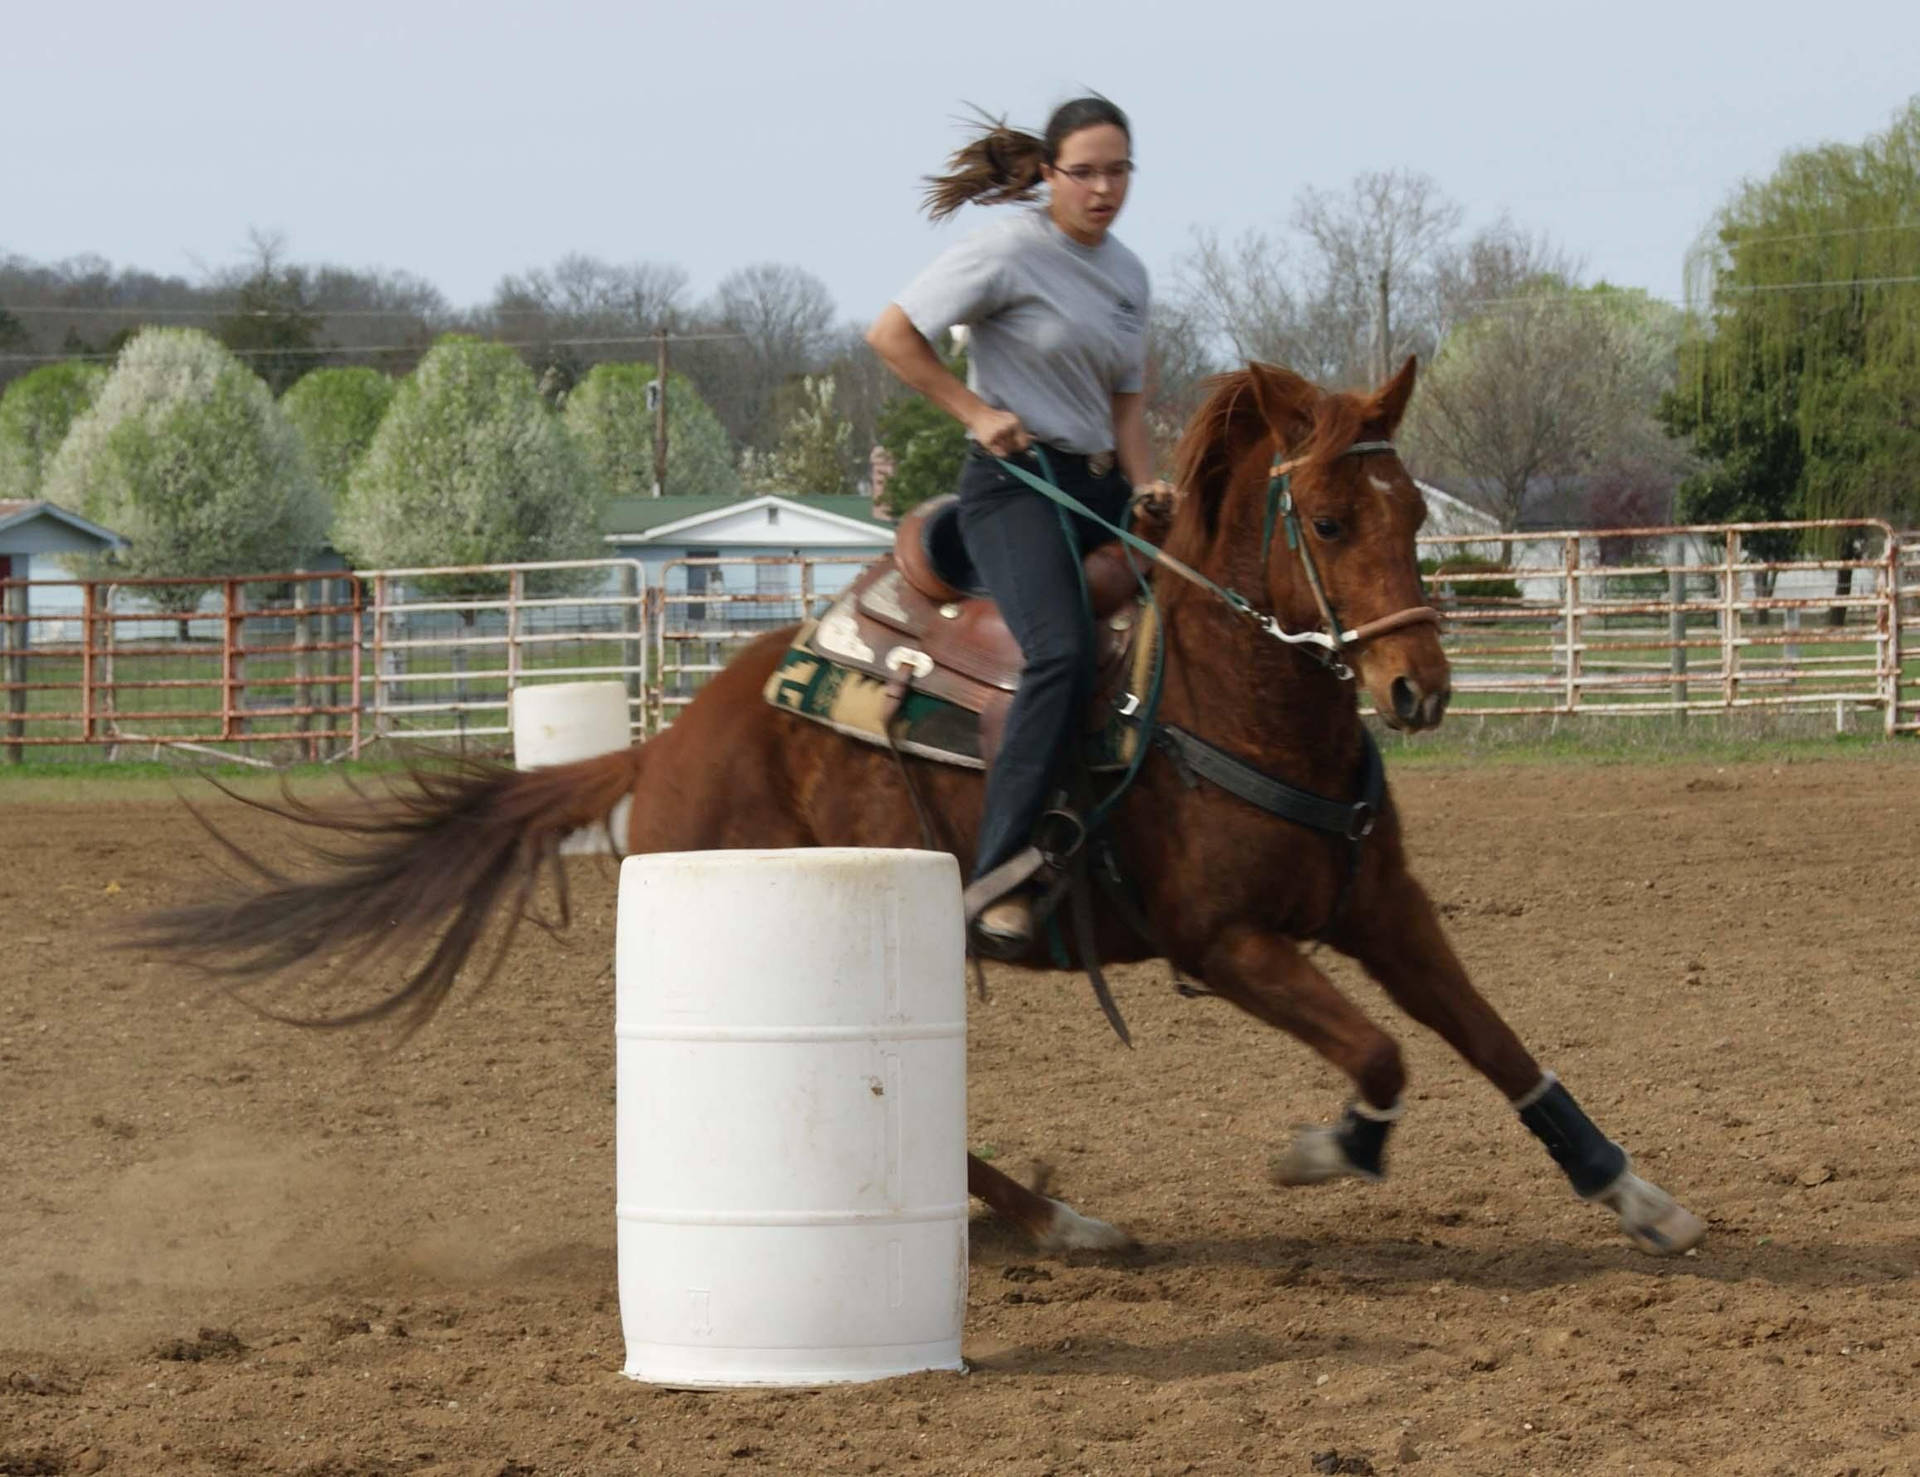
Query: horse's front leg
x=1052 y=1225
x=1265 y=974
x=1402 y=945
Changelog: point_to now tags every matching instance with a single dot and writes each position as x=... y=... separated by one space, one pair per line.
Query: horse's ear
x=1285 y=400
x=1390 y=400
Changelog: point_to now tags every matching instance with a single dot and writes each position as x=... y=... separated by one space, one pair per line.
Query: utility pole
x=1382 y=339
x=660 y=419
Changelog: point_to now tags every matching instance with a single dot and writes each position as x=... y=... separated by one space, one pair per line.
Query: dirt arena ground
x=232 y=1247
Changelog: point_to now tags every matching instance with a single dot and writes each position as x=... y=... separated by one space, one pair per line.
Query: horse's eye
x=1327 y=528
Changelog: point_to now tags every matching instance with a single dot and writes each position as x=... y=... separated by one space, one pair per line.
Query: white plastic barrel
x=791 y=1068
x=560 y=722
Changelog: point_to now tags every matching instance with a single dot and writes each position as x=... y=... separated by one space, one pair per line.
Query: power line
x=1582 y=298
x=137 y=311
x=544 y=343
x=1811 y=286
x=1739 y=240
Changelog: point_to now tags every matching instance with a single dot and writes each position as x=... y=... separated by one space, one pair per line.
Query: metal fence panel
x=447 y=647
x=279 y=667
x=269 y=662
x=1672 y=620
x=701 y=621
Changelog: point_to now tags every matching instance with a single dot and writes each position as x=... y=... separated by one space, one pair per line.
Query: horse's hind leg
x=1265 y=975
x=1053 y=1225
x=1402 y=945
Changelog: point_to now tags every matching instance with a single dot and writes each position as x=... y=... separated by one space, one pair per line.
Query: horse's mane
x=1242 y=407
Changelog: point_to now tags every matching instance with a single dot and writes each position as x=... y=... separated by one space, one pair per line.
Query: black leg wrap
x=1364 y=1142
x=1588 y=1157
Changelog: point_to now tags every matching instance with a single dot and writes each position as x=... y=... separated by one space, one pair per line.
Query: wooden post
x=385 y=658
x=1383 y=346
x=333 y=592
x=1730 y=622
x=1888 y=618
x=13 y=635
x=1570 y=615
x=660 y=420
x=303 y=661
x=631 y=652
x=234 y=662
x=89 y=663
x=1677 y=620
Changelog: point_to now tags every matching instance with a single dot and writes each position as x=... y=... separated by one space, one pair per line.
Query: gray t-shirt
x=1056 y=328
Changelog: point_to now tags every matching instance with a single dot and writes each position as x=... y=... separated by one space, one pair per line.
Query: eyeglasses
x=1086 y=174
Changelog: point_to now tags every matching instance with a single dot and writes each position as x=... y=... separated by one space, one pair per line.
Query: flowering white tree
x=36 y=413
x=608 y=416
x=336 y=412
x=814 y=455
x=468 y=467
x=185 y=453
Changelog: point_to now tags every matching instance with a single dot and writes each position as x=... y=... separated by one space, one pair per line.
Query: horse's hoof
x=1072 y=1231
x=1653 y=1220
x=1315 y=1156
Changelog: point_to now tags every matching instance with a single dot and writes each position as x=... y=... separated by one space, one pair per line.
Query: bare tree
x=1180 y=357
x=785 y=317
x=1522 y=395
x=1376 y=245
x=862 y=388
x=1494 y=266
x=581 y=297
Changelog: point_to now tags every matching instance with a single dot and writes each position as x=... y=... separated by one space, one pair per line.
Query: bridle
x=1330 y=645
x=1336 y=639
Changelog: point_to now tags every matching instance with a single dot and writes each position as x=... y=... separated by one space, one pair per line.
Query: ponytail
x=1002 y=164
x=998 y=166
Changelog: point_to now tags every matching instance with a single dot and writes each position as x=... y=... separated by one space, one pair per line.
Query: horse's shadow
x=1227 y=1352
x=1391 y=1265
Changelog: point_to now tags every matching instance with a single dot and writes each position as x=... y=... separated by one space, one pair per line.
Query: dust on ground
x=234 y=1247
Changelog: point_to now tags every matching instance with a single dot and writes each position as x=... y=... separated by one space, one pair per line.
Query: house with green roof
x=737 y=531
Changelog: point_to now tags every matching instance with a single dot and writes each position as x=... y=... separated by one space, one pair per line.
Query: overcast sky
x=461 y=142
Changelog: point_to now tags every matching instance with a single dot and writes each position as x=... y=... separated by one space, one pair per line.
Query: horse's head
x=1309 y=478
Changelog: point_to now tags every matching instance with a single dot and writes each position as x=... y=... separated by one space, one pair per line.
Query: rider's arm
x=903 y=350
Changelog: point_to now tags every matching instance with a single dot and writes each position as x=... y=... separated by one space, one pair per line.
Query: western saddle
x=920 y=621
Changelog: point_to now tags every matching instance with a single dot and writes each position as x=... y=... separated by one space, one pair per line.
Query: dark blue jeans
x=1015 y=540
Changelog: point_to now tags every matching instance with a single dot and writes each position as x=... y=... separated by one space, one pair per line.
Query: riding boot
x=1004 y=929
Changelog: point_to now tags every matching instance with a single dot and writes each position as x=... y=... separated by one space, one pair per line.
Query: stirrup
x=1005 y=928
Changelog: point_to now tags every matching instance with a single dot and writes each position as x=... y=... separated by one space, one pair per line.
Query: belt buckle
x=1099 y=464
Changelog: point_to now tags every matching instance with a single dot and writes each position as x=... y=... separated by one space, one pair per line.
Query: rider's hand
x=1000 y=432
x=1156 y=497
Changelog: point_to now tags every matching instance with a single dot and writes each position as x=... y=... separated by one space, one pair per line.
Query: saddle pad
x=853 y=702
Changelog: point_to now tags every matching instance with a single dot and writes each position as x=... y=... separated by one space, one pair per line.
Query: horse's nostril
x=1406 y=700
x=1433 y=709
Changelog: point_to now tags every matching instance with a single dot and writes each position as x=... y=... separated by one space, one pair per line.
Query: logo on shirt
x=1127 y=314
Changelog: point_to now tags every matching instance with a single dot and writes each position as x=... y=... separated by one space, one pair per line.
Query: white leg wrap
x=1073 y=1231
x=1314 y=1157
x=1653 y=1220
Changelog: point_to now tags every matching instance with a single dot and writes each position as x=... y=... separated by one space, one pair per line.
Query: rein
x=1329 y=645
x=1346 y=822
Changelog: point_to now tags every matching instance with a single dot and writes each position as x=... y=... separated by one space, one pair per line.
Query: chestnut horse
x=1231 y=891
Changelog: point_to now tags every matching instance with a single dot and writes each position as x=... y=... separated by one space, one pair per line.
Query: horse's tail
x=420 y=870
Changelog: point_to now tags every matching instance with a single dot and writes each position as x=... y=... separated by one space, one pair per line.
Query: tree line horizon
x=1789 y=387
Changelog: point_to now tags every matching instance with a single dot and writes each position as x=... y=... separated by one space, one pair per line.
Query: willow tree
x=1800 y=378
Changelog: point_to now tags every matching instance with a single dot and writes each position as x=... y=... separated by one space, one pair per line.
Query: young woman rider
x=1056 y=310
